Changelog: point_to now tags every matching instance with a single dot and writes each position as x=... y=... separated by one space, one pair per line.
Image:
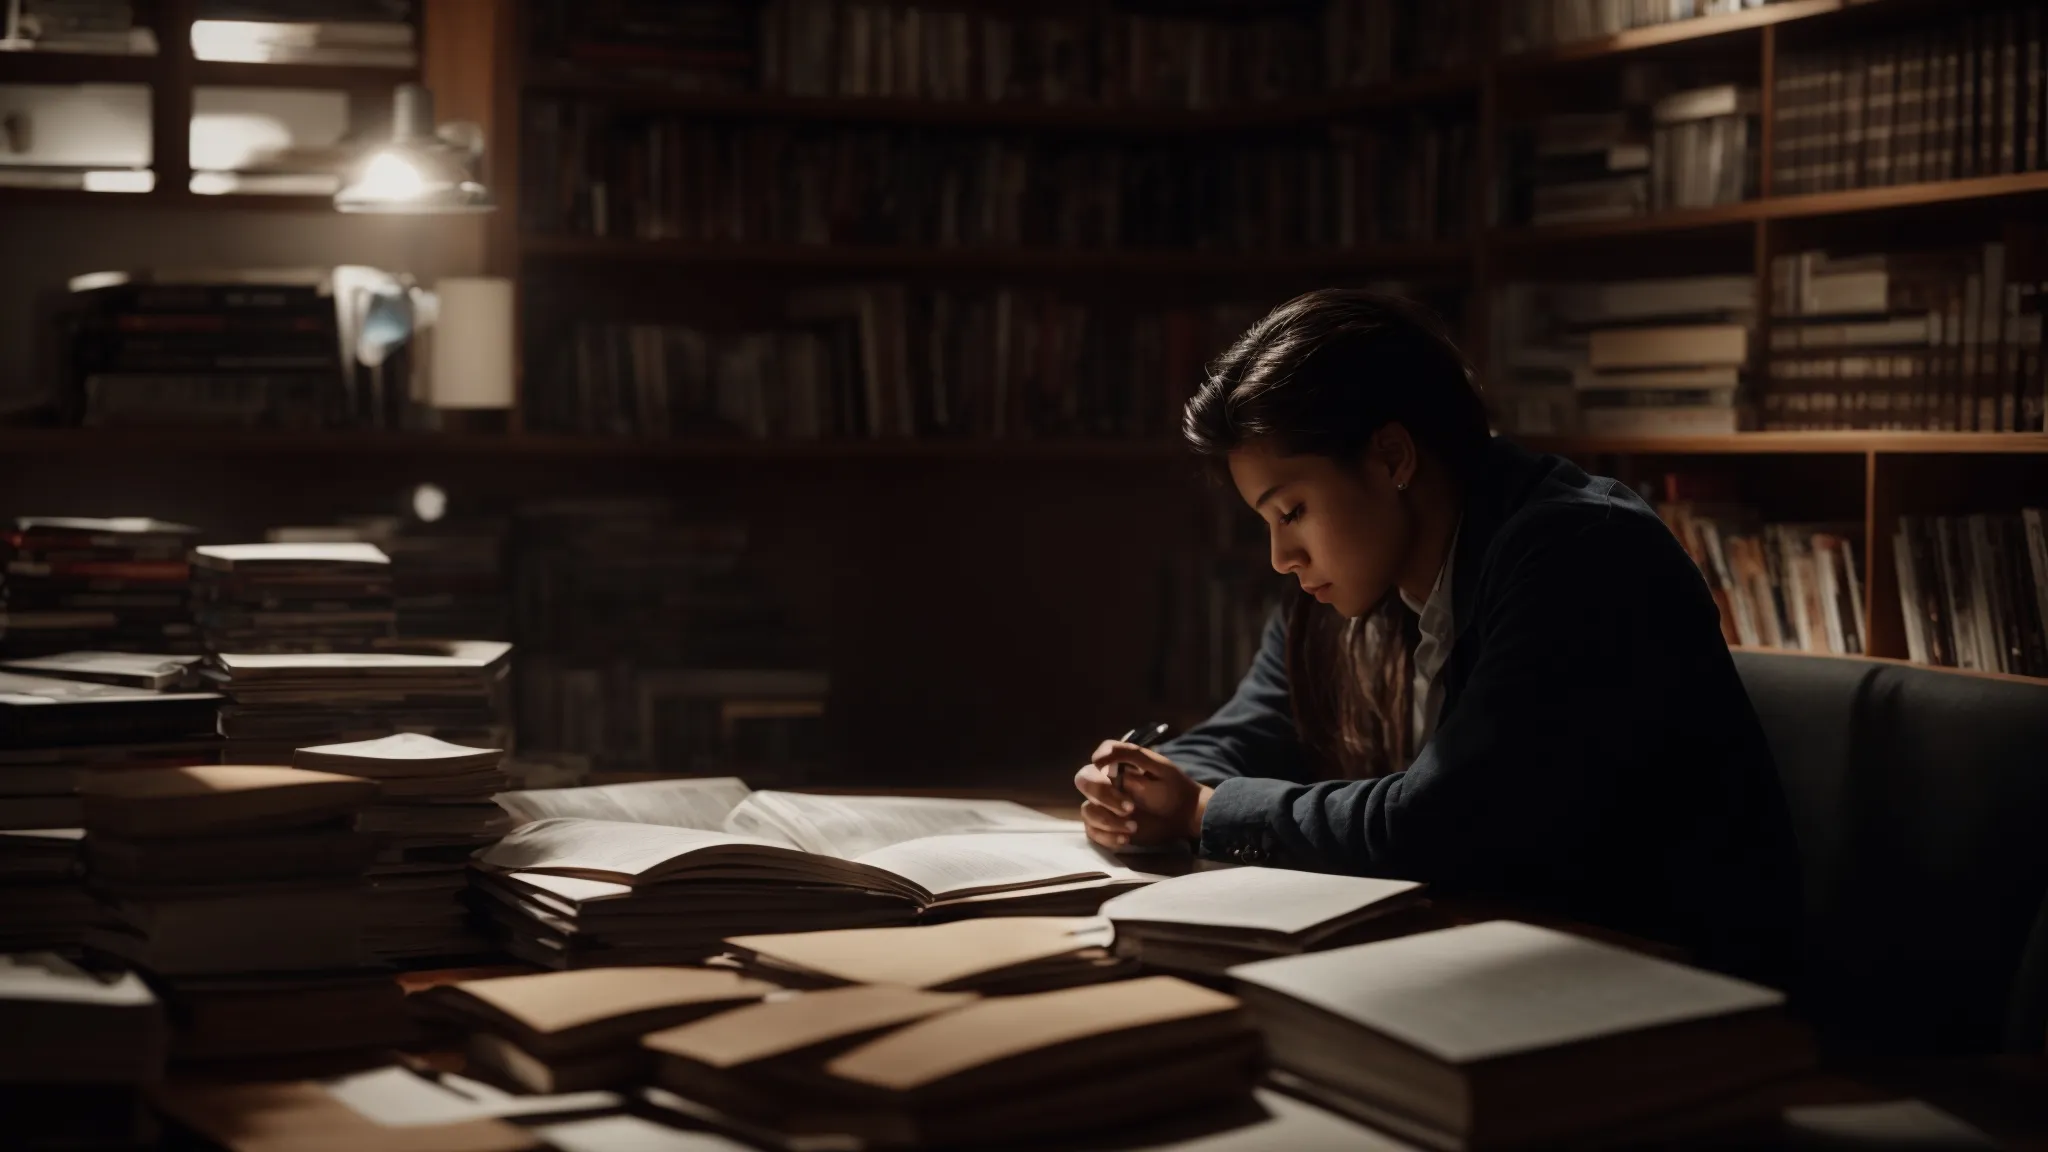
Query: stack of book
x=53 y=733
x=1047 y=1066
x=278 y=703
x=1795 y=586
x=1206 y=922
x=678 y=866
x=1955 y=98
x=81 y=1048
x=350 y=33
x=1703 y=150
x=1973 y=590
x=1583 y=166
x=432 y=812
x=215 y=347
x=576 y=1031
x=999 y=956
x=1528 y=25
x=292 y=597
x=73 y=583
x=239 y=890
x=1938 y=339
x=838 y=48
x=1626 y=358
x=1503 y=1034
x=759 y=184
x=883 y=360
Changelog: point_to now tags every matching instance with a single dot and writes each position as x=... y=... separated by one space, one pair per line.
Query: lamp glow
x=392 y=178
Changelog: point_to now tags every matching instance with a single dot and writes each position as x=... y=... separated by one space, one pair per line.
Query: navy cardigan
x=1596 y=756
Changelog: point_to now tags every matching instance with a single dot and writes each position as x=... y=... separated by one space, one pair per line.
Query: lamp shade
x=472 y=362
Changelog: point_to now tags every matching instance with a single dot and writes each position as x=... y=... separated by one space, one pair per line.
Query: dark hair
x=1320 y=374
x=1324 y=371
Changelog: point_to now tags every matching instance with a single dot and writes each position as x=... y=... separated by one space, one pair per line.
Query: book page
x=986 y=861
x=850 y=826
x=1270 y=899
x=702 y=804
x=610 y=848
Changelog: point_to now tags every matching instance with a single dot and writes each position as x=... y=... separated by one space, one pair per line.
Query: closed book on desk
x=302 y=1116
x=759 y=1063
x=1047 y=1065
x=571 y=1031
x=1004 y=955
x=279 y=927
x=1208 y=921
x=217 y=798
x=1506 y=1035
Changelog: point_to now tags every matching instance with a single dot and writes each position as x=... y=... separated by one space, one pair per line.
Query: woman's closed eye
x=1292 y=514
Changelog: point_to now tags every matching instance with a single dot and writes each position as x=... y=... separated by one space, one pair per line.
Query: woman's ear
x=1391 y=453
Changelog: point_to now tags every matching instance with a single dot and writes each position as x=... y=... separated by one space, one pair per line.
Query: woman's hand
x=1158 y=802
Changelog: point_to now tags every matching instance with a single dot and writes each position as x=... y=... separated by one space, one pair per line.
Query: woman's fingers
x=1132 y=757
x=1095 y=786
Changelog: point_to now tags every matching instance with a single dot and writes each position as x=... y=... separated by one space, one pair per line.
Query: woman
x=1575 y=738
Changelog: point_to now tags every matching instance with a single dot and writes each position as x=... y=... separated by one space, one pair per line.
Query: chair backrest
x=1920 y=800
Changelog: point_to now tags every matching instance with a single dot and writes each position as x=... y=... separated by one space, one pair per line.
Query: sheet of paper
x=1480 y=991
x=612 y=847
x=1891 y=1124
x=47 y=976
x=632 y=1134
x=401 y=1098
x=943 y=864
x=1271 y=899
x=702 y=803
x=850 y=826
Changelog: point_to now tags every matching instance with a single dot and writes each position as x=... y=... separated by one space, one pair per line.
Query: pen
x=1143 y=736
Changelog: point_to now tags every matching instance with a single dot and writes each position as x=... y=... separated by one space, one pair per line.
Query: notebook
x=1207 y=921
x=1504 y=1034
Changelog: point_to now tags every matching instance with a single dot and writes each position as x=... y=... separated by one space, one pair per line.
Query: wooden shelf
x=354 y=78
x=985 y=114
x=161 y=197
x=1796 y=443
x=243 y=441
x=78 y=68
x=816 y=257
x=1674 y=32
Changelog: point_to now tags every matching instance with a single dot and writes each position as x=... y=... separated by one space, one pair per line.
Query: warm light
x=429 y=502
x=239 y=41
x=223 y=142
x=390 y=178
x=212 y=183
x=120 y=180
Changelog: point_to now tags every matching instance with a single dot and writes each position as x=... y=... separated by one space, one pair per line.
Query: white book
x=1280 y=901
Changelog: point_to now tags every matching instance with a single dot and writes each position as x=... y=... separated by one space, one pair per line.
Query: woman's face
x=1341 y=528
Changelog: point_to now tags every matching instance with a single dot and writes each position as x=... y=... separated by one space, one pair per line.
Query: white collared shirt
x=1438 y=629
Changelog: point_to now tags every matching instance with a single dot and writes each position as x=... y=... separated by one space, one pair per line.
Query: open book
x=571 y=891
x=843 y=826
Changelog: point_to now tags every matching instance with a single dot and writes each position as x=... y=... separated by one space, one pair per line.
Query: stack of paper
x=54 y=730
x=713 y=861
x=278 y=703
x=901 y=1067
x=1504 y=1034
x=575 y=1031
x=292 y=597
x=997 y=956
x=240 y=889
x=79 y=1047
x=1205 y=922
x=433 y=812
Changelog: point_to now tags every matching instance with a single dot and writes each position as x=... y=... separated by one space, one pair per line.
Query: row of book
x=1686 y=149
x=1942 y=339
x=1960 y=96
x=588 y=172
x=1793 y=586
x=888 y=361
x=1094 y=58
x=1973 y=591
x=1527 y=25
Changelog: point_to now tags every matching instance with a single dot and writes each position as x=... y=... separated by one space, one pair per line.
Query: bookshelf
x=1011 y=560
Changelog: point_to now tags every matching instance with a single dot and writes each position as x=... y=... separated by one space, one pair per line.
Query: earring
x=1401 y=487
